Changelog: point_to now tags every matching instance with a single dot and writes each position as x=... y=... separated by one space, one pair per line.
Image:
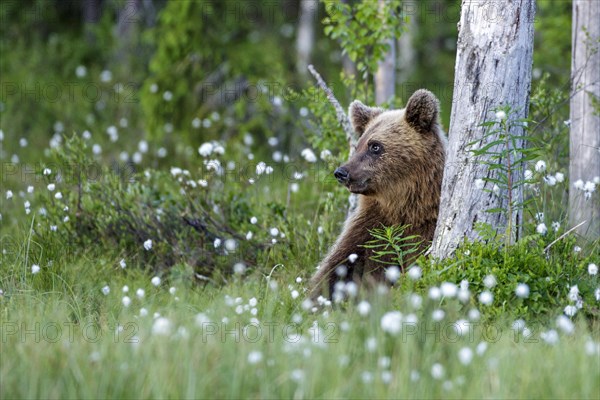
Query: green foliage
x=549 y=272
x=215 y=59
x=506 y=155
x=185 y=214
x=391 y=246
x=363 y=30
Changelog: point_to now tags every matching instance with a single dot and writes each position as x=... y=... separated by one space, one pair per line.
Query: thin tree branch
x=339 y=111
x=563 y=235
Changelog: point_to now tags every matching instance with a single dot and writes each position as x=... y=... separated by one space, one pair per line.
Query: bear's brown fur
x=397 y=173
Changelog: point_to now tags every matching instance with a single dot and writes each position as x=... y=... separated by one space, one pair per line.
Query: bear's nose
x=342 y=175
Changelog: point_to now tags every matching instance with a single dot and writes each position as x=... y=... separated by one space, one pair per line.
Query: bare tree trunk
x=493 y=68
x=385 y=77
x=584 y=160
x=305 y=39
x=406 y=50
x=91 y=15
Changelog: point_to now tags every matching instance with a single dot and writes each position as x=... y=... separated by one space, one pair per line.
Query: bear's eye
x=375 y=148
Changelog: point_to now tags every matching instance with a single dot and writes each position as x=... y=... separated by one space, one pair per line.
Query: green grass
x=60 y=339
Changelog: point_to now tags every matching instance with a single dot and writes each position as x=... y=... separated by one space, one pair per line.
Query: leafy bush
x=196 y=218
x=549 y=276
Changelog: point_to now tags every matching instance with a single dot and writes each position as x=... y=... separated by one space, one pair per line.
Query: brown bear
x=396 y=171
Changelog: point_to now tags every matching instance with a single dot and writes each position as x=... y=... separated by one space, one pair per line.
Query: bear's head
x=395 y=147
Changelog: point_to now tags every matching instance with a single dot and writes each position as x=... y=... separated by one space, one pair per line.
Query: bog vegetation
x=167 y=192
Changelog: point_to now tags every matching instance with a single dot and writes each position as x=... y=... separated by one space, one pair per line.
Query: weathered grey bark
x=584 y=161
x=385 y=77
x=305 y=39
x=493 y=68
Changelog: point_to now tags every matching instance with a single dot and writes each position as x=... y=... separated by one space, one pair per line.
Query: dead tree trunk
x=493 y=68
x=385 y=77
x=584 y=160
x=305 y=39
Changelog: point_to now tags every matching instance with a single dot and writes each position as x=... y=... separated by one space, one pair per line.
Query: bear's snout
x=342 y=175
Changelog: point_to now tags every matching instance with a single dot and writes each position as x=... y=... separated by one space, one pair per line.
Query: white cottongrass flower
x=570 y=310
x=392 y=274
x=162 y=326
x=486 y=297
x=217 y=243
x=481 y=348
x=589 y=186
x=47 y=171
x=415 y=272
x=474 y=314
x=559 y=176
x=239 y=268
x=542 y=229
x=565 y=324
x=592 y=269
x=155 y=281
x=325 y=155
x=148 y=245
x=463 y=295
x=500 y=115
x=573 y=293
x=274 y=231
x=231 y=245
x=106 y=290
x=295 y=294
x=122 y=263
x=309 y=155
x=540 y=166
x=522 y=290
x=35 y=269
x=140 y=293
x=550 y=180
x=437 y=371
x=597 y=294
x=438 y=315
x=465 y=356
x=416 y=301
x=125 y=289
x=391 y=322
x=489 y=281
x=58 y=195
x=353 y=257
x=435 y=293
x=578 y=184
x=126 y=301
x=206 y=149
x=254 y=357
x=528 y=175
x=448 y=289
x=550 y=337
x=555 y=226
x=519 y=325
x=363 y=308
x=479 y=183
x=539 y=216
x=168 y=95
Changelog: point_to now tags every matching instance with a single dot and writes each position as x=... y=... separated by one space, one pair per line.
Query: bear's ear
x=422 y=110
x=361 y=115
